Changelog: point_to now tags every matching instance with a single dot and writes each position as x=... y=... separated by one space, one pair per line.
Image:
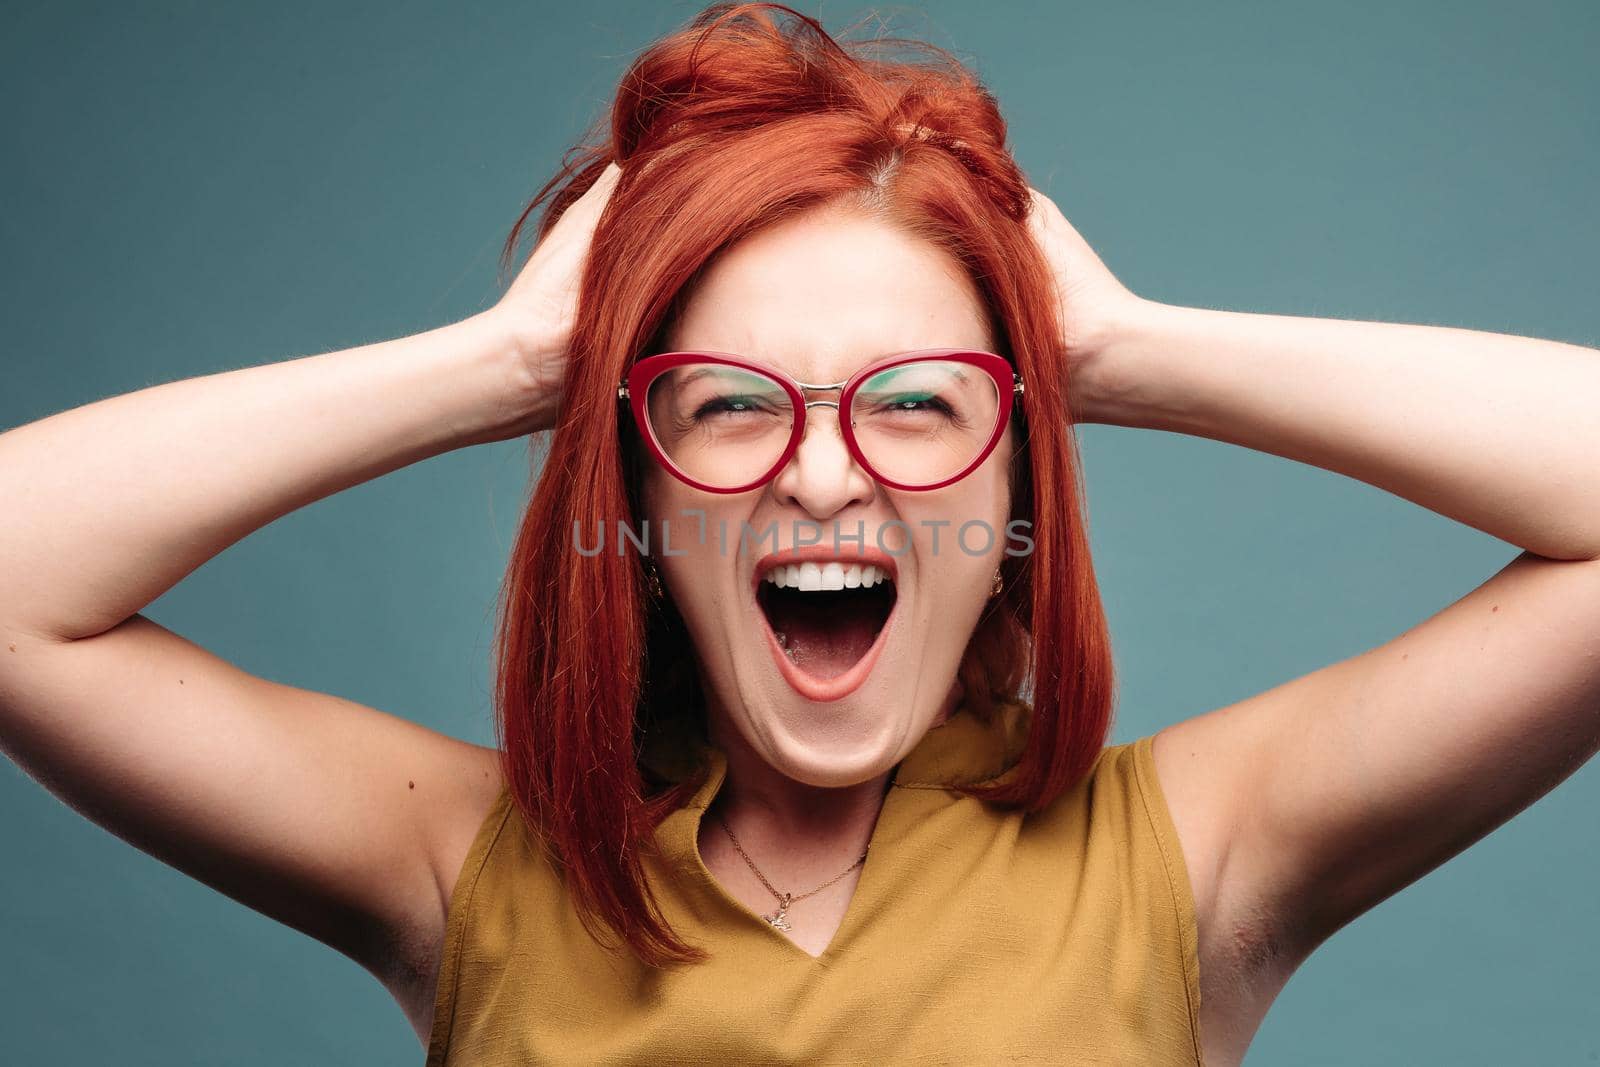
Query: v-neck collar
x=963 y=750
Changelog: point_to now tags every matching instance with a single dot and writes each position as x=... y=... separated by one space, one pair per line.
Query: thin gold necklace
x=778 y=918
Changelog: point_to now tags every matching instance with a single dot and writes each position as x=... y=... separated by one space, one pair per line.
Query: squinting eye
x=915 y=402
x=732 y=405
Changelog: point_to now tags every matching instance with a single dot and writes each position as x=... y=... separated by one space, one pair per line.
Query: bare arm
x=295 y=803
x=1334 y=790
x=111 y=503
x=320 y=812
x=1492 y=430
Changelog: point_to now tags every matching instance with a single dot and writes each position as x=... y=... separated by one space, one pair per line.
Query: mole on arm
x=411 y=785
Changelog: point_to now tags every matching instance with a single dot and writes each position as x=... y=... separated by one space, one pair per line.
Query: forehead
x=823 y=294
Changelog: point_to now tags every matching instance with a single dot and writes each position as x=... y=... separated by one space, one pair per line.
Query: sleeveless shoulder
x=461 y=906
x=975 y=934
x=1133 y=814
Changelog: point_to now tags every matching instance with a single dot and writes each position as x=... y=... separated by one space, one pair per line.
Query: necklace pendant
x=777 y=918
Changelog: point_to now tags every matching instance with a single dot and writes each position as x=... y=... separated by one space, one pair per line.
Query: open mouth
x=825 y=617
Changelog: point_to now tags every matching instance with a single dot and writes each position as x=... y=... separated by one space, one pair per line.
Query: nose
x=822 y=477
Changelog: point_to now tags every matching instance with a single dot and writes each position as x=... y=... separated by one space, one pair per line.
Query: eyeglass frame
x=634 y=389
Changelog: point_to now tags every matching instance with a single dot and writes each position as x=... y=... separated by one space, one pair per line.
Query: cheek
x=985 y=510
x=655 y=491
x=960 y=532
x=674 y=512
x=986 y=502
x=697 y=572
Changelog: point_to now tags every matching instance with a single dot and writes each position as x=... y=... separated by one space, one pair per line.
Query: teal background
x=191 y=188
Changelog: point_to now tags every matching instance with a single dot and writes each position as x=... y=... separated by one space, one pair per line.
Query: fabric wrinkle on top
x=975 y=934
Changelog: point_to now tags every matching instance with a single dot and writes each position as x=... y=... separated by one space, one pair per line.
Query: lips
x=826 y=616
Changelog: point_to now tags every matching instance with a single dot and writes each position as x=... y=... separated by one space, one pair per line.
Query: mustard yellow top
x=975 y=935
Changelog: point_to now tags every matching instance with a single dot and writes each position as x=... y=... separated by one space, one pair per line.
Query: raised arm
x=327 y=815
x=1309 y=803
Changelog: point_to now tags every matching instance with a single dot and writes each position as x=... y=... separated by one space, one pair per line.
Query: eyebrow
x=959 y=373
x=713 y=370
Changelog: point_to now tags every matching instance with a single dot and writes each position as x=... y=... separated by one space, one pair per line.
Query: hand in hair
x=1094 y=304
x=541 y=303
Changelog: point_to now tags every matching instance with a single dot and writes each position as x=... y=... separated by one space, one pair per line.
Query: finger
x=585 y=211
x=605 y=182
x=1037 y=206
x=593 y=199
x=1043 y=204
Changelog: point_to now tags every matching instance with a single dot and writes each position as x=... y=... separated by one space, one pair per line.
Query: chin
x=829 y=662
x=842 y=743
x=832 y=679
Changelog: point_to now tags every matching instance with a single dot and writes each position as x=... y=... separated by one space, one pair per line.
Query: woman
x=768 y=791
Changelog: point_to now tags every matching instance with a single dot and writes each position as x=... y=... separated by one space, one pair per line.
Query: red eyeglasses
x=916 y=420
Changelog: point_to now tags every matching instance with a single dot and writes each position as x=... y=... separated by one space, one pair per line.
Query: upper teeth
x=813 y=577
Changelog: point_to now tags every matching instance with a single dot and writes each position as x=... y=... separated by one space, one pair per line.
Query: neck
x=760 y=802
x=793 y=831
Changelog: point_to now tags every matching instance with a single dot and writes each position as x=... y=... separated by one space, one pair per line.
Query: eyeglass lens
x=916 y=424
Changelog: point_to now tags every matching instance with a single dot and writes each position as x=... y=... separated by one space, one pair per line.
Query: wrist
x=522 y=360
x=1103 y=360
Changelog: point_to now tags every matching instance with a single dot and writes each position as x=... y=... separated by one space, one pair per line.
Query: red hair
x=742 y=119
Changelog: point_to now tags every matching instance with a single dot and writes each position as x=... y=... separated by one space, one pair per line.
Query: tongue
x=824 y=635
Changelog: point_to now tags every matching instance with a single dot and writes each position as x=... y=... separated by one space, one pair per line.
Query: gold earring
x=652 y=578
x=997 y=586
